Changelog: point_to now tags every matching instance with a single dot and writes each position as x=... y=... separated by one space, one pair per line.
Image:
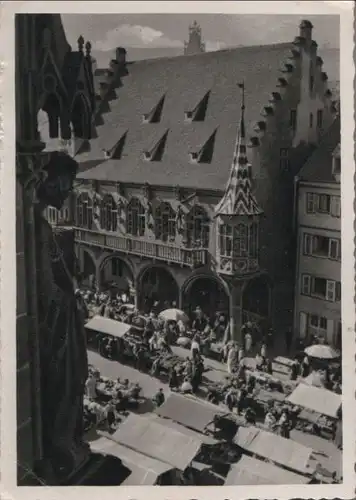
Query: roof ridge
x=213 y=52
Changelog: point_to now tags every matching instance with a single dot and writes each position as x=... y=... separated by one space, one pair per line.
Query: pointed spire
x=195 y=45
x=238 y=198
x=80 y=42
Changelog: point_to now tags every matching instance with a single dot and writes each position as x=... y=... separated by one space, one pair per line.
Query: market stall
x=320 y=409
x=102 y=327
x=144 y=470
x=282 y=365
x=198 y=415
x=167 y=445
x=254 y=472
x=279 y=450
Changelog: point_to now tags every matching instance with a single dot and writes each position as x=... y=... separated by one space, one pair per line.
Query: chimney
x=121 y=55
x=306 y=30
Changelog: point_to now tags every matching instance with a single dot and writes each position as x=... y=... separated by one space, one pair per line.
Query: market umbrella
x=174 y=315
x=321 y=351
x=184 y=341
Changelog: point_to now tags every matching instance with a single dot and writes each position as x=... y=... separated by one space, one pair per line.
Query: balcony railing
x=192 y=257
x=234 y=266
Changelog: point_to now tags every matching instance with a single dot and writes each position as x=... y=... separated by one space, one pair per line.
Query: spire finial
x=80 y=43
x=87 y=49
x=242 y=87
x=242 y=122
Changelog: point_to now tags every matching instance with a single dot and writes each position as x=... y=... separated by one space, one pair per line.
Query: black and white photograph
x=179 y=246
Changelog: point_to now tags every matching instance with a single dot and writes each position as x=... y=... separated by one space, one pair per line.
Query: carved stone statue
x=63 y=356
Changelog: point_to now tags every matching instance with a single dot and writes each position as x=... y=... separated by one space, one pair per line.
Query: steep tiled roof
x=185 y=80
x=318 y=167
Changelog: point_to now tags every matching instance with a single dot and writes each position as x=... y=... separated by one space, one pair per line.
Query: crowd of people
x=105 y=400
x=153 y=353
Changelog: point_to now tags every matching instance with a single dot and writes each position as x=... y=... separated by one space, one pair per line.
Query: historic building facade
x=168 y=149
x=318 y=279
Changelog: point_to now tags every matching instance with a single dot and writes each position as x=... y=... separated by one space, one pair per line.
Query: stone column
x=98 y=270
x=180 y=298
x=235 y=300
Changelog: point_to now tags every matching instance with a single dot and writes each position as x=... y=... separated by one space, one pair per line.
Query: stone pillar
x=180 y=298
x=98 y=270
x=235 y=300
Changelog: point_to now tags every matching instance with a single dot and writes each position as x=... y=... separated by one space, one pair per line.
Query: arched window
x=165 y=222
x=108 y=214
x=253 y=241
x=198 y=227
x=84 y=211
x=80 y=118
x=225 y=240
x=135 y=222
x=241 y=240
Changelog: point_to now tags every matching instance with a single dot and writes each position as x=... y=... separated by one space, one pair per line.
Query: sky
x=170 y=30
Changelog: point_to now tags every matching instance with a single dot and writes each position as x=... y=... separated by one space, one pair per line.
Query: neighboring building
x=195 y=45
x=149 y=199
x=318 y=280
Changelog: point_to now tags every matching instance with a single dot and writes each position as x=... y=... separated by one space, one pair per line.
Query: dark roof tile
x=185 y=80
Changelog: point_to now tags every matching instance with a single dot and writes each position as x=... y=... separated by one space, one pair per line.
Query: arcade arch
x=157 y=288
x=116 y=274
x=208 y=293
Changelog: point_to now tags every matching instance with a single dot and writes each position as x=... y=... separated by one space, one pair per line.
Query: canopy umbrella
x=321 y=351
x=183 y=341
x=174 y=315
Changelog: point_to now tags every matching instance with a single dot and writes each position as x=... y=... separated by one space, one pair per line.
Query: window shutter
x=339 y=249
x=336 y=206
x=333 y=248
x=338 y=291
x=330 y=290
x=310 y=203
x=307 y=244
x=305 y=284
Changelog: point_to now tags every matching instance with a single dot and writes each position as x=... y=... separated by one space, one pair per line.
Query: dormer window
x=156 y=152
x=198 y=113
x=204 y=153
x=154 y=116
x=115 y=151
x=147 y=155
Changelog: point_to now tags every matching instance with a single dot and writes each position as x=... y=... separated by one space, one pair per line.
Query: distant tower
x=194 y=44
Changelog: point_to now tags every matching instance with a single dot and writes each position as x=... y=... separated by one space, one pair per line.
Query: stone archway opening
x=256 y=303
x=207 y=293
x=158 y=290
x=117 y=277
